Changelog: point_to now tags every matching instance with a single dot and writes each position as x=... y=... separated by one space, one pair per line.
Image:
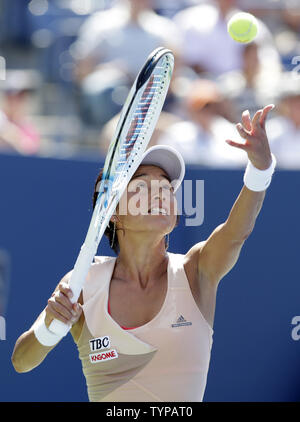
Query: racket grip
x=59 y=328
x=77 y=279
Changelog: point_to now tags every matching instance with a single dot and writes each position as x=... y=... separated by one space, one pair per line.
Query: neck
x=296 y=124
x=134 y=15
x=224 y=10
x=204 y=121
x=250 y=77
x=14 y=115
x=142 y=258
x=135 y=12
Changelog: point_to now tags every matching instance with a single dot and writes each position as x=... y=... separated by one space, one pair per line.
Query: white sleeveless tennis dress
x=166 y=359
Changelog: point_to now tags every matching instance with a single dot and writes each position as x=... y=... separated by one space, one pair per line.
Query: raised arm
x=218 y=254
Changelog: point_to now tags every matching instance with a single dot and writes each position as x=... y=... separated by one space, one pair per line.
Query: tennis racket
x=136 y=124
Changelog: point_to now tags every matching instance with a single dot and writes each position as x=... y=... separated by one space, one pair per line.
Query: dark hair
x=110 y=228
x=109 y=231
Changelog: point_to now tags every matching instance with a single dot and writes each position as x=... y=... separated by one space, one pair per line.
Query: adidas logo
x=181 y=321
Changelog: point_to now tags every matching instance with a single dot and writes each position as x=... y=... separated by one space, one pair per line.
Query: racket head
x=125 y=120
x=136 y=124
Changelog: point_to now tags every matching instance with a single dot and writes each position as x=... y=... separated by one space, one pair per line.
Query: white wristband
x=43 y=334
x=259 y=180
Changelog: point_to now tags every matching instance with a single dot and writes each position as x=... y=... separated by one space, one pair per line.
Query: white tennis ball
x=242 y=27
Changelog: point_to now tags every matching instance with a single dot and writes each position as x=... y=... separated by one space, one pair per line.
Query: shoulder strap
x=98 y=276
x=178 y=277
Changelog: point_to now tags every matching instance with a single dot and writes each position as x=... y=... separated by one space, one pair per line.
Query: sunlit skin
x=139 y=282
x=149 y=188
x=87 y=65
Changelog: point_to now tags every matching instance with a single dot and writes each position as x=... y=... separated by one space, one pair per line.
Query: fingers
x=245 y=130
x=65 y=289
x=56 y=311
x=246 y=120
x=236 y=144
x=248 y=129
x=242 y=131
x=260 y=117
x=60 y=306
x=265 y=113
x=256 y=120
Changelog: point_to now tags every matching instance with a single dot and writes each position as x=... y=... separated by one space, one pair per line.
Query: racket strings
x=146 y=105
x=142 y=116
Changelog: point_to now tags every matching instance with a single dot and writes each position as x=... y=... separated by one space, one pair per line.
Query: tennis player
x=143 y=324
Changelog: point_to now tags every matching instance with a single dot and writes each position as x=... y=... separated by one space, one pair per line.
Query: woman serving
x=143 y=323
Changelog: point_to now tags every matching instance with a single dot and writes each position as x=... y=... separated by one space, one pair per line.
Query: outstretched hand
x=256 y=141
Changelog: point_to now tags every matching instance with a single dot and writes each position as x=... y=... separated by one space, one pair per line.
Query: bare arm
x=218 y=254
x=28 y=352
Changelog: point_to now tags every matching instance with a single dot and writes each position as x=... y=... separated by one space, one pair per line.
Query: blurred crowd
x=66 y=67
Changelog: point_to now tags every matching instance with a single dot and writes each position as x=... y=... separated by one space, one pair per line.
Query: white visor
x=168 y=159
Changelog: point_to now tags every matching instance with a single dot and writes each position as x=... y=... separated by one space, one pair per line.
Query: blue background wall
x=45 y=207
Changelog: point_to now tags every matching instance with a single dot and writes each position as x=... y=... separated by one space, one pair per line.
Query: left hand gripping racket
x=135 y=127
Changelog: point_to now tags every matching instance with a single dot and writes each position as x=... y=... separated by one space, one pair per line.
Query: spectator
x=208 y=48
x=251 y=87
x=170 y=7
x=291 y=17
x=111 y=47
x=284 y=130
x=201 y=137
x=17 y=133
x=287 y=36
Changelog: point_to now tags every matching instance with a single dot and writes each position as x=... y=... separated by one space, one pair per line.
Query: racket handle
x=78 y=276
x=59 y=328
